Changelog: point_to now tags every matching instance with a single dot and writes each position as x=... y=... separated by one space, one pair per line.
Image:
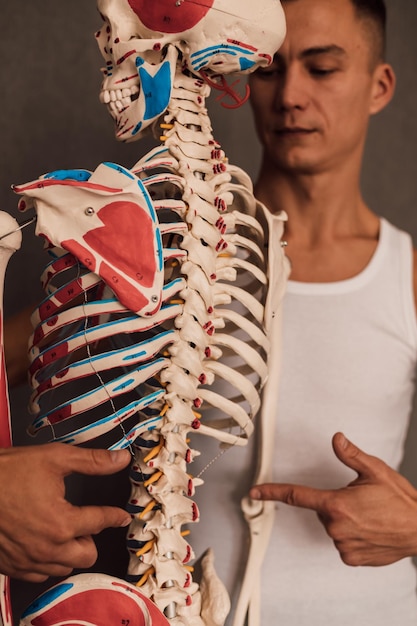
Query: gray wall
x=51 y=118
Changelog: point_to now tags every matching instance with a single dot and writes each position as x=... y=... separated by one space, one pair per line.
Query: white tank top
x=349 y=354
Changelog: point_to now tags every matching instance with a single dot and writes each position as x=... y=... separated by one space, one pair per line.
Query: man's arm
x=372 y=521
x=17 y=330
x=41 y=533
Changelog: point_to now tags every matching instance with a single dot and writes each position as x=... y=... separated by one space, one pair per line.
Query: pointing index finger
x=294 y=495
x=91 y=520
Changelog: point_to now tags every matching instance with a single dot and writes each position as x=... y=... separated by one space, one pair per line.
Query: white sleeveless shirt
x=349 y=354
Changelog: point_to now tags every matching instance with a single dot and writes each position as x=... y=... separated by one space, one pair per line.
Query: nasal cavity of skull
x=155 y=55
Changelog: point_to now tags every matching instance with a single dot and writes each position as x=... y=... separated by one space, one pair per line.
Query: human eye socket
x=321 y=71
x=269 y=72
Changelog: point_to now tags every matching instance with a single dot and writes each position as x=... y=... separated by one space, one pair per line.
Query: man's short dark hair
x=374 y=13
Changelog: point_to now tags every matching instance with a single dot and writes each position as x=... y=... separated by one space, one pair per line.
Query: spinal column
x=215 y=255
x=147 y=377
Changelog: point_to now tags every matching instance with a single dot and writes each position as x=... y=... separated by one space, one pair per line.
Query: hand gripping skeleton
x=156 y=298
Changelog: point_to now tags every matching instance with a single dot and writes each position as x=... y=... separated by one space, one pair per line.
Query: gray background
x=51 y=118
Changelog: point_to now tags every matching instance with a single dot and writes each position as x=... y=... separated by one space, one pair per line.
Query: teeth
x=119 y=98
x=105 y=97
x=113 y=108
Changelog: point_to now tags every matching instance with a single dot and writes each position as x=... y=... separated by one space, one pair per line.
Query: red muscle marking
x=125 y=56
x=82 y=253
x=247 y=46
x=56 y=353
x=51 y=182
x=46 y=309
x=222 y=85
x=166 y=16
x=70 y=291
x=96 y=606
x=38 y=334
x=62 y=414
x=186 y=560
x=125 y=292
x=126 y=241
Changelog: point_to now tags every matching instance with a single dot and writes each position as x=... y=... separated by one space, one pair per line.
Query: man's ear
x=383 y=87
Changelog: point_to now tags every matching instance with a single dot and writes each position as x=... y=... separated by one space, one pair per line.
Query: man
x=349 y=332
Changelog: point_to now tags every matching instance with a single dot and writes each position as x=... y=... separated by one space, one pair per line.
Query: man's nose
x=292 y=92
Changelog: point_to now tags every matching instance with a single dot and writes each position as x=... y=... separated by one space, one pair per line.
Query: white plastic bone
x=8 y=245
x=92 y=599
x=178 y=241
x=215 y=36
x=209 y=255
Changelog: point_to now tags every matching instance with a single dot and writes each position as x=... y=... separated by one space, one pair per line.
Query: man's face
x=312 y=105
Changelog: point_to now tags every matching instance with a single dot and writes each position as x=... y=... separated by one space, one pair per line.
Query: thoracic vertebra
x=148 y=376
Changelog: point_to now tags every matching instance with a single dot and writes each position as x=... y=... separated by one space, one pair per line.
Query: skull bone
x=142 y=42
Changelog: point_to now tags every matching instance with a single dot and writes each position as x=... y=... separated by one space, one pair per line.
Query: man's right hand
x=41 y=533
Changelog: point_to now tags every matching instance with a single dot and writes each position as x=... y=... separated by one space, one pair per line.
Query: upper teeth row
x=113 y=95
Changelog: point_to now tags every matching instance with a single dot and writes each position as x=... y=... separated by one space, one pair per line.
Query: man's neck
x=331 y=233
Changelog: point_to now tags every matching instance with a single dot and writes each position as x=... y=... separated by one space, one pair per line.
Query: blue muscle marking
x=222 y=48
x=169 y=285
x=156 y=89
x=137 y=128
x=85 y=333
x=47 y=598
x=134 y=432
x=162 y=150
x=80 y=175
x=148 y=200
x=119 y=168
x=246 y=64
x=125 y=382
x=115 y=417
x=137 y=355
x=202 y=62
x=159 y=249
x=44 y=418
x=120 y=351
x=201 y=57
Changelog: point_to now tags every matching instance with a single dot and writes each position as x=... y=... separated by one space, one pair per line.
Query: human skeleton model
x=156 y=289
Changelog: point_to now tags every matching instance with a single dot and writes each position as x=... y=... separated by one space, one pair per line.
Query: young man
x=349 y=332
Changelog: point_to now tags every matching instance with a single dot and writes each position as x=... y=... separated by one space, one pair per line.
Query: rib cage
x=100 y=371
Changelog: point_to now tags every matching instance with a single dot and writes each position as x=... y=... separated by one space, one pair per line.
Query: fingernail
x=255 y=494
x=126 y=522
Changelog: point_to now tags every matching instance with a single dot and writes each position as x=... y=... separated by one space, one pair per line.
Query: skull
x=141 y=42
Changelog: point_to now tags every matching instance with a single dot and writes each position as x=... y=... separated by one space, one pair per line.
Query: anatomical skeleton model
x=156 y=290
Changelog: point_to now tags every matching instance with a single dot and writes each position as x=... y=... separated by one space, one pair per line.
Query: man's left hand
x=372 y=521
